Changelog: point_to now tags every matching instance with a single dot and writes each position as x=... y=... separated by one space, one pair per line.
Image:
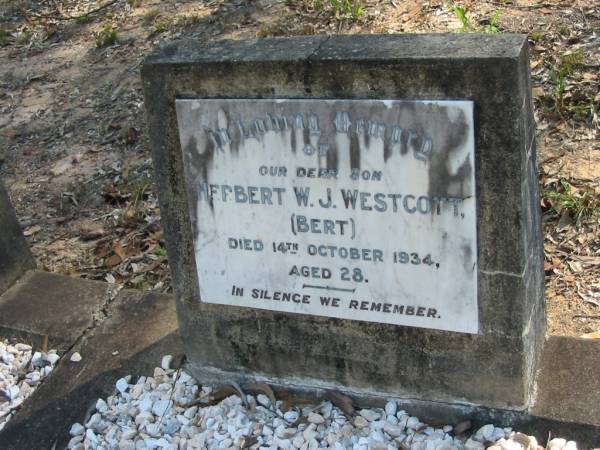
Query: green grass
x=341 y=10
x=4 y=37
x=583 y=110
x=161 y=26
x=579 y=203
x=352 y=9
x=24 y=37
x=86 y=18
x=536 y=36
x=461 y=15
x=556 y=102
x=491 y=26
x=106 y=36
x=571 y=61
x=151 y=15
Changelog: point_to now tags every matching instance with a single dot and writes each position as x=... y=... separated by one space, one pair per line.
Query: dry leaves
x=32 y=230
x=592 y=335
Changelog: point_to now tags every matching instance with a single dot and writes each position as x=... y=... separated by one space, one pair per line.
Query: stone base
x=494 y=367
x=143 y=326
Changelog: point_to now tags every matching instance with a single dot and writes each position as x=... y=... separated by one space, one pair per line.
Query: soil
x=74 y=152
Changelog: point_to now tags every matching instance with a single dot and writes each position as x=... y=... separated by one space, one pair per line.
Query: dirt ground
x=74 y=153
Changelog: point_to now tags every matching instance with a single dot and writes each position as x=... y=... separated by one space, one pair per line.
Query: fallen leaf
x=61 y=166
x=224 y=392
x=292 y=401
x=89 y=230
x=8 y=132
x=215 y=397
x=112 y=261
x=537 y=91
x=44 y=346
x=249 y=441
x=341 y=401
x=575 y=266
x=565 y=222
x=132 y=136
x=118 y=249
x=462 y=427
x=261 y=388
x=588 y=260
x=33 y=230
x=593 y=335
x=154 y=264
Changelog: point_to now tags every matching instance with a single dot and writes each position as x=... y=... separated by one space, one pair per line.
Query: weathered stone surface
x=15 y=257
x=568 y=384
x=58 y=306
x=139 y=330
x=494 y=367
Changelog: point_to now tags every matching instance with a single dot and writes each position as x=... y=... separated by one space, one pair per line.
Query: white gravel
x=20 y=373
x=152 y=414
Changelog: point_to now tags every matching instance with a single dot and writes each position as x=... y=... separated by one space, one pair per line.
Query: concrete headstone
x=353 y=212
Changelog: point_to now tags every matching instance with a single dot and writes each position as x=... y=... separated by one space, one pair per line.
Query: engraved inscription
x=353 y=209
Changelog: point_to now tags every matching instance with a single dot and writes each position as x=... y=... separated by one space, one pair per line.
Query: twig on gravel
x=528 y=7
x=54 y=17
x=171 y=402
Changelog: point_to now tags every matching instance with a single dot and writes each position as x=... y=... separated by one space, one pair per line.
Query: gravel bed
x=20 y=373
x=158 y=412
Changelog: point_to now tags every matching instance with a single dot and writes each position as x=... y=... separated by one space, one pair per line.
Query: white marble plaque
x=355 y=209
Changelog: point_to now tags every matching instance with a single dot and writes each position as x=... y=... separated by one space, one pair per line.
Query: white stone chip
x=52 y=358
x=75 y=357
x=37 y=359
x=21 y=371
x=160 y=407
x=76 y=429
x=556 y=444
x=122 y=385
x=391 y=408
x=263 y=400
x=166 y=362
x=101 y=406
x=316 y=418
x=292 y=416
x=153 y=418
x=369 y=414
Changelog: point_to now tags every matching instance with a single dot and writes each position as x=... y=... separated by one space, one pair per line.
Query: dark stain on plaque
x=447 y=140
x=387 y=148
x=235 y=135
x=332 y=157
x=467 y=257
x=293 y=140
x=354 y=151
x=403 y=143
x=203 y=160
x=306 y=135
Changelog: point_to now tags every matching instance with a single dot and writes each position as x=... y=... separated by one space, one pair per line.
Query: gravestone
x=353 y=212
x=15 y=256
